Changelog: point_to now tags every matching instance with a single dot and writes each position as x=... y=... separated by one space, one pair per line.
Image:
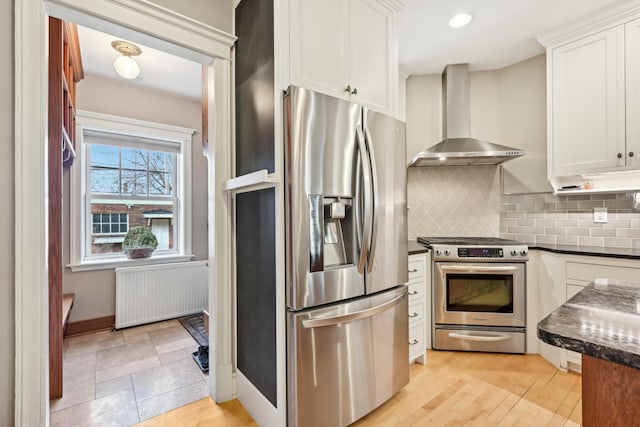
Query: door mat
x=194 y=324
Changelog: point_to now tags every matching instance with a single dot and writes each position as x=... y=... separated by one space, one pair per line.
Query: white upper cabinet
x=372 y=67
x=588 y=104
x=319 y=45
x=632 y=33
x=593 y=101
x=347 y=49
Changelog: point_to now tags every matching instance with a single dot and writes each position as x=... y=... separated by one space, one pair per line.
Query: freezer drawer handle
x=350 y=317
x=479 y=337
x=414 y=342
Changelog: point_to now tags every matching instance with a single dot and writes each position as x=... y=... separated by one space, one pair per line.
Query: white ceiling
x=158 y=70
x=502 y=31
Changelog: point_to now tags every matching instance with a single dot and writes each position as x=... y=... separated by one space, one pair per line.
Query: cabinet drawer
x=416 y=269
x=416 y=291
x=416 y=340
x=416 y=312
x=589 y=272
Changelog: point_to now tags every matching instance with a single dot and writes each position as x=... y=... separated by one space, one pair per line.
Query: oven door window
x=489 y=293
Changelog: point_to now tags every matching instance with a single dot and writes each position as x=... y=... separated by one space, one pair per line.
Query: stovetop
x=462 y=241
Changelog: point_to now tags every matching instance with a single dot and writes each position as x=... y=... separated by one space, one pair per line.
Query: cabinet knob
x=413 y=315
x=630 y=153
x=348 y=89
x=354 y=91
x=414 y=342
x=619 y=155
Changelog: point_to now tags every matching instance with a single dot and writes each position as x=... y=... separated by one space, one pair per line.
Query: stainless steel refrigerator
x=346 y=248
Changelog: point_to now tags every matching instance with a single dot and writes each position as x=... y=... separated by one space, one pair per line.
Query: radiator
x=158 y=292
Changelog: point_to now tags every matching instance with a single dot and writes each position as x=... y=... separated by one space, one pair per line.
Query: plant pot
x=142 y=252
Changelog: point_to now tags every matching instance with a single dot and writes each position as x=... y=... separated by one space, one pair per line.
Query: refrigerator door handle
x=366 y=193
x=357 y=202
x=374 y=199
x=350 y=317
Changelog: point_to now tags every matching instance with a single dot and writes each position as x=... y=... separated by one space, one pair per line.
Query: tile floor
x=118 y=378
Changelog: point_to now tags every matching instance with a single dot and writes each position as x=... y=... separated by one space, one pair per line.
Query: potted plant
x=139 y=242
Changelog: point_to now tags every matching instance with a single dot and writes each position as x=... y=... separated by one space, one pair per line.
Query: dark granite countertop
x=416 y=248
x=608 y=252
x=602 y=320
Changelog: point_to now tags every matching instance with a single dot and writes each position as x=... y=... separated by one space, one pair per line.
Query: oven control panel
x=480 y=253
x=471 y=253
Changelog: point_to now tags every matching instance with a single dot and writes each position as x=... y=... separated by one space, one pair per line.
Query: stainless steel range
x=479 y=288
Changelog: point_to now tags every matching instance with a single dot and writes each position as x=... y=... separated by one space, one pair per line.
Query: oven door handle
x=471 y=268
x=485 y=338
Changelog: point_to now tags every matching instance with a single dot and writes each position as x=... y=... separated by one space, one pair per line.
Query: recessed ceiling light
x=460 y=20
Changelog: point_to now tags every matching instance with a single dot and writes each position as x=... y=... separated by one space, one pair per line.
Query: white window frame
x=80 y=226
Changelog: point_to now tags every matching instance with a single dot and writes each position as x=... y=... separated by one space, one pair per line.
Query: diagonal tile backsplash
x=453 y=201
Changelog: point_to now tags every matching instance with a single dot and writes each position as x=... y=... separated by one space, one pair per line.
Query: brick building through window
x=111 y=221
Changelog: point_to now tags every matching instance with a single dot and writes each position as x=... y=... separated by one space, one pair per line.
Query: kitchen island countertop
x=602 y=321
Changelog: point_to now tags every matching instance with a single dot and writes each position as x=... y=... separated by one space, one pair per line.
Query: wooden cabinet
x=65 y=69
x=419 y=307
x=345 y=49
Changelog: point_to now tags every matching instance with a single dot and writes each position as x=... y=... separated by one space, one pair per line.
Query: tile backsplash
x=453 y=201
x=559 y=219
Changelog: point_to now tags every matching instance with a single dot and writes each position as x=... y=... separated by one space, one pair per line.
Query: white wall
x=523 y=109
x=95 y=290
x=217 y=13
x=423 y=112
x=7 y=296
x=507 y=106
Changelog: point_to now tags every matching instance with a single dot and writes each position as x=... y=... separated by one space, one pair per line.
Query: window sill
x=124 y=262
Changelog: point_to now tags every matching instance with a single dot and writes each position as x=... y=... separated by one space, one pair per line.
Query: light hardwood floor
x=452 y=389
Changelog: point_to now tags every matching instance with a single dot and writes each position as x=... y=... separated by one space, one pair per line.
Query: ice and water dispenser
x=332 y=232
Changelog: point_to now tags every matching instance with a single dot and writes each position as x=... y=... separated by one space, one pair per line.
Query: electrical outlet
x=600 y=215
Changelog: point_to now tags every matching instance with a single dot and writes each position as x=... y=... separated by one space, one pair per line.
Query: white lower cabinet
x=561 y=276
x=419 y=307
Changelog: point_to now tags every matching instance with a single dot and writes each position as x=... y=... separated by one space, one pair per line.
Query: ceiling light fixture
x=125 y=65
x=460 y=20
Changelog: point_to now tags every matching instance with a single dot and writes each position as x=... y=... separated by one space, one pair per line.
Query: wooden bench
x=67 y=303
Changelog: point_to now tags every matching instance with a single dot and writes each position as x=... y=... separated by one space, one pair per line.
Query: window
x=104 y=223
x=130 y=173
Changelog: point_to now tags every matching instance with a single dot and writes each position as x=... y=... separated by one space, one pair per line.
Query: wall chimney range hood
x=457 y=148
